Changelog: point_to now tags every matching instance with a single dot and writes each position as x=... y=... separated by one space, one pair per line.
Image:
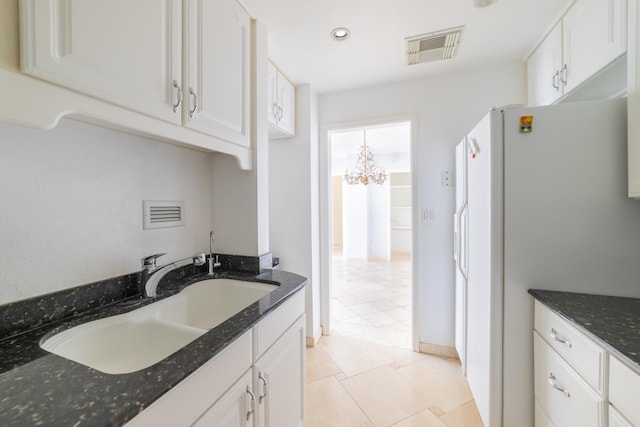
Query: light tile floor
x=365 y=374
x=354 y=383
x=371 y=300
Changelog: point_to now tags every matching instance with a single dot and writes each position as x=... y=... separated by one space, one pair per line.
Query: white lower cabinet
x=624 y=391
x=542 y=419
x=234 y=409
x=616 y=419
x=569 y=374
x=198 y=393
x=257 y=381
x=565 y=397
x=279 y=376
x=572 y=384
x=585 y=356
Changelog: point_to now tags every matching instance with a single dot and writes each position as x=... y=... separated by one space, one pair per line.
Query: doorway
x=370 y=284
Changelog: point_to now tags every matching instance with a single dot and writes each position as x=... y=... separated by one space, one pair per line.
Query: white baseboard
x=313 y=340
x=438 y=350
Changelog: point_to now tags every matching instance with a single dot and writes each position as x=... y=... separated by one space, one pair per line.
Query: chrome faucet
x=151 y=274
x=212 y=264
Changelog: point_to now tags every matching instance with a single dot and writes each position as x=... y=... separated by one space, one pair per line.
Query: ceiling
x=375 y=53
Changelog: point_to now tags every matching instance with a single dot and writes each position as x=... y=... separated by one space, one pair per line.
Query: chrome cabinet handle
x=552 y=380
x=555 y=80
x=192 y=112
x=178 y=95
x=265 y=387
x=253 y=403
x=280 y=113
x=275 y=112
x=563 y=75
x=554 y=335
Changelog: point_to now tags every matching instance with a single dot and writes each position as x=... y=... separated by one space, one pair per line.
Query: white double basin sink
x=138 y=339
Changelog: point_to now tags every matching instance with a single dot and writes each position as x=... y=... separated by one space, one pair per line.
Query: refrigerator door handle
x=455 y=237
x=460 y=248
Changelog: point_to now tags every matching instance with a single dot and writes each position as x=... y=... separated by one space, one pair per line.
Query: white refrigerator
x=541 y=202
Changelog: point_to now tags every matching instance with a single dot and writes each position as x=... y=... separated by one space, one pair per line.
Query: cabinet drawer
x=276 y=323
x=616 y=419
x=561 y=393
x=581 y=352
x=541 y=417
x=183 y=404
x=624 y=387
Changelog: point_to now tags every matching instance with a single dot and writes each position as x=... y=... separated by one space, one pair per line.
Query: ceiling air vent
x=161 y=214
x=433 y=46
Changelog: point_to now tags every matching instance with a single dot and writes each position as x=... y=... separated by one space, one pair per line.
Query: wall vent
x=161 y=214
x=433 y=46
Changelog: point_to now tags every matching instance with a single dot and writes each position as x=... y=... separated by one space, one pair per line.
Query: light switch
x=428 y=215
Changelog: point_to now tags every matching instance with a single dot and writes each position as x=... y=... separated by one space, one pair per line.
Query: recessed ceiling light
x=483 y=3
x=340 y=34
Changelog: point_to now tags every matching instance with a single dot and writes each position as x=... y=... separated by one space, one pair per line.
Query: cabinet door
x=124 y=52
x=287 y=102
x=217 y=92
x=543 y=70
x=192 y=397
x=624 y=386
x=272 y=105
x=616 y=419
x=233 y=409
x=594 y=35
x=633 y=100
x=562 y=394
x=280 y=380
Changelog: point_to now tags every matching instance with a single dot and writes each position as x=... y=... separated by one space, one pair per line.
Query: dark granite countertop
x=612 y=322
x=40 y=388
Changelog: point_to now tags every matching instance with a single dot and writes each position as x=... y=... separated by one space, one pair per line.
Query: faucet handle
x=149 y=262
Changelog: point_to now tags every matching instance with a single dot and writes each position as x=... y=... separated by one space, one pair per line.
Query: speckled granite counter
x=613 y=322
x=40 y=388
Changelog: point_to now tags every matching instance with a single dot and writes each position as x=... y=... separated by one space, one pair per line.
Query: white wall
x=336 y=214
x=355 y=221
x=447 y=107
x=365 y=221
x=293 y=202
x=378 y=221
x=71 y=205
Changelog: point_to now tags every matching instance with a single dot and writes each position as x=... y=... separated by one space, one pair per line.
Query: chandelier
x=365 y=170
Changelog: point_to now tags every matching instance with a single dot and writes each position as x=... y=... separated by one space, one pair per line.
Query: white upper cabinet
x=281 y=108
x=594 y=34
x=633 y=100
x=590 y=36
x=127 y=53
x=287 y=102
x=218 y=63
x=272 y=94
x=543 y=69
x=187 y=62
